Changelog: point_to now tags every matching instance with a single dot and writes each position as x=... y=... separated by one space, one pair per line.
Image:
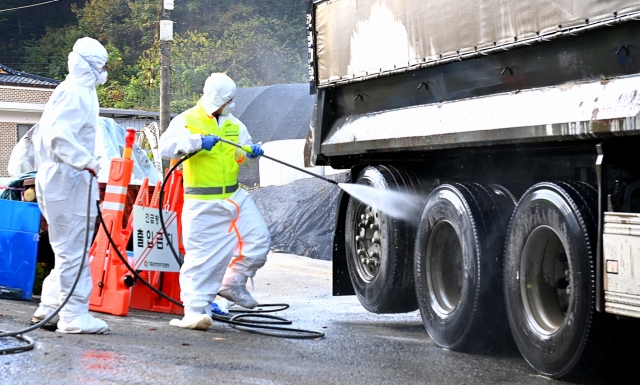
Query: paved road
x=359 y=347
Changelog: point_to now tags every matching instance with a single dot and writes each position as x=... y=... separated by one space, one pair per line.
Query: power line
x=27 y=6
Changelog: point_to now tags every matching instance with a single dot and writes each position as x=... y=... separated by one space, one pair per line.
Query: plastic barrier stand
x=109 y=293
x=143 y=298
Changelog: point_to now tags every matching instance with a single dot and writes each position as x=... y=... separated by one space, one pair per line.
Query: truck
x=518 y=124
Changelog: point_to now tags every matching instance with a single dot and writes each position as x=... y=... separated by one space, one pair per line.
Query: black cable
x=124 y=261
x=161 y=199
x=160 y=293
x=280 y=306
x=22 y=348
x=245 y=326
x=230 y=320
x=18 y=334
x=281 y=162
x=164 y=181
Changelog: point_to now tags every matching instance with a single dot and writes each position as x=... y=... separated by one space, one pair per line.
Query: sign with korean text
x=150 y=244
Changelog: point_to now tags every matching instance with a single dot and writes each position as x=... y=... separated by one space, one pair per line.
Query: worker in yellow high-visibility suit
x=225 y=237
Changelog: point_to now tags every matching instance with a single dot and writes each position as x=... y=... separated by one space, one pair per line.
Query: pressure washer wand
x=248 y=149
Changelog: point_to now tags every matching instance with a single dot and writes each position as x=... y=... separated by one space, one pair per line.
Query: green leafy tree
x=258 y=52
x=128 y=25
x=192 y=61
x=52 y=51
x=139 y=91
x=22 y=28
x=257 y=42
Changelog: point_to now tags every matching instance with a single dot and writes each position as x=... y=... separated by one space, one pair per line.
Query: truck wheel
x=459 y=264
x=549 y=278
x=380 y=248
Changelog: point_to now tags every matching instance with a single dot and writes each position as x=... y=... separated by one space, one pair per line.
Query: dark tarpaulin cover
x=301 y=215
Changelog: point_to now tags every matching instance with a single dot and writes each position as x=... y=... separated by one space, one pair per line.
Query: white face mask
x=102 y=78
x=228 y=108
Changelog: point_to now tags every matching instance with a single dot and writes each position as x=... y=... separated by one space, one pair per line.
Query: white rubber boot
x=234 y=288
x=48 y=299
x=193 y=321
x=43 y=312
x=84 y=324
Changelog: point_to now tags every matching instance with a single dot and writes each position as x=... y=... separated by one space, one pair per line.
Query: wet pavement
x=359 y=347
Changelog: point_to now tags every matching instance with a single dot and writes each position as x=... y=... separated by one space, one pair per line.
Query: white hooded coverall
x=211 y=243
x=65 y=147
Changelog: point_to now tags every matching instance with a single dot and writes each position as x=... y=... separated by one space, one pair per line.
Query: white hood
x=218 y=89
x=86 y=60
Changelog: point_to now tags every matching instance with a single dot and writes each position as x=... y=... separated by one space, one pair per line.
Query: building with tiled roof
x=22 y=100
x=11 y=77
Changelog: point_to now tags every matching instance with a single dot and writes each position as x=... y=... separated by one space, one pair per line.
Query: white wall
x=20 y=112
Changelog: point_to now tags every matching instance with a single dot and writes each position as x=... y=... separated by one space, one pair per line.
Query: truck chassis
x=525 y=159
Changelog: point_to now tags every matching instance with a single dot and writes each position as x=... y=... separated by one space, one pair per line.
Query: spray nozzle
x=248 y=149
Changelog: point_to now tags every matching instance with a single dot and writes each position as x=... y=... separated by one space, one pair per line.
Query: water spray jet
x=393 y=203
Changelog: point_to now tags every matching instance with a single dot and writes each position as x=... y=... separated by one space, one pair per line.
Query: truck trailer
x=518 y=124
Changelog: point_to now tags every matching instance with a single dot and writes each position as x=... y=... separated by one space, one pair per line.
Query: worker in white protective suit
x=65 y=147
x=225 y=237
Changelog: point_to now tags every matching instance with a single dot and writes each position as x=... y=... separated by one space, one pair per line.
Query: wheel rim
x=445 y=275
x=545 y=287
x=368 y=250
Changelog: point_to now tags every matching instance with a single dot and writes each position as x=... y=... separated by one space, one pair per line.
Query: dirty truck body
x=517 y=122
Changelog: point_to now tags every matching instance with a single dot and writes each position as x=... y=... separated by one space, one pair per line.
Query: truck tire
x=549 y=279
x=382 y=276
x=459 y=265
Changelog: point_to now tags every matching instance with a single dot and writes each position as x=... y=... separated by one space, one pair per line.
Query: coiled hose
x=30 y=344
x=239 y=320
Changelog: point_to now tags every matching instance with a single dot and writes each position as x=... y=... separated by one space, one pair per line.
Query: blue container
x=19 y=236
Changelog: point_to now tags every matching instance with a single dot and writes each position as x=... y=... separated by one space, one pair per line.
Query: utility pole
x=166 y=36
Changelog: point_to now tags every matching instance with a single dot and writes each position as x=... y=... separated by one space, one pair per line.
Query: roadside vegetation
x=256 y=42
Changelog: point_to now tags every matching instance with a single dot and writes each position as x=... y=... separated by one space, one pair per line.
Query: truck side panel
x=359 y=39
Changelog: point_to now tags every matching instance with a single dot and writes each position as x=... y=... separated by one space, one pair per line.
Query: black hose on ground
x=19 y=333
x=234 y=321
